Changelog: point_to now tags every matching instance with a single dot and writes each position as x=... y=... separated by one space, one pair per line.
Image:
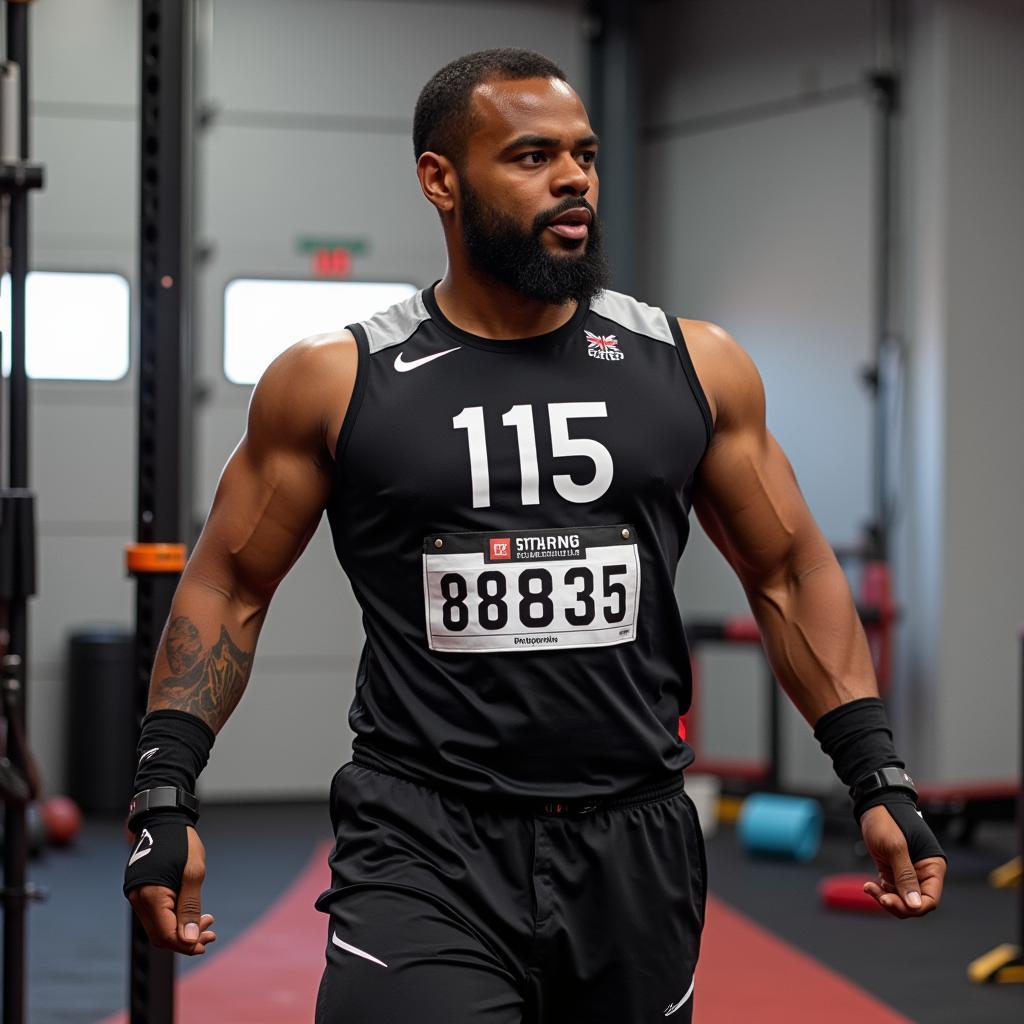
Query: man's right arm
x=268 y=503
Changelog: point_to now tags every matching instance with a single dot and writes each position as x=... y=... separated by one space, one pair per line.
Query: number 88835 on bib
x=526 y=590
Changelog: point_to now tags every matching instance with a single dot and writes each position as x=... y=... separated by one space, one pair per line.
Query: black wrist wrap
x=173 y=749
x=858 y=739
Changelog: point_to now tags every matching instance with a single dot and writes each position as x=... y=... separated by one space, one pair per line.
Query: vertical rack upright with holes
x=164 y=385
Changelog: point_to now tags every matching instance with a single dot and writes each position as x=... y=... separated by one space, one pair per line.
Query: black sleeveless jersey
x=510 y=515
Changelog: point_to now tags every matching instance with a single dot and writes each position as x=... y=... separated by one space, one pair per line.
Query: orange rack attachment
x=147 y=558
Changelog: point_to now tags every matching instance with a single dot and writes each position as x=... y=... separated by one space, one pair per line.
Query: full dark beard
x=497 y=246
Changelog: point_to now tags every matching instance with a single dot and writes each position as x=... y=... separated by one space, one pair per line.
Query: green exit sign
x=310 y=245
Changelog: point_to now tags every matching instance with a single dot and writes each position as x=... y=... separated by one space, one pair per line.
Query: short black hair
x=443 y=120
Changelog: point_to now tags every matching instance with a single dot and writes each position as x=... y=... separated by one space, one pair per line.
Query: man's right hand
x=174 y=920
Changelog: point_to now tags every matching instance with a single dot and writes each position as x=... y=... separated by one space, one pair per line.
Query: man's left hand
x=904 y=888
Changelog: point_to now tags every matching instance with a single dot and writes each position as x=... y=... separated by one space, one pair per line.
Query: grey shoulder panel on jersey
x=634 y=315
x=395 y=324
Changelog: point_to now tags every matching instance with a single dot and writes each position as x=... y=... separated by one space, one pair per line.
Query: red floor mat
x=747 y=974
x=271 y=973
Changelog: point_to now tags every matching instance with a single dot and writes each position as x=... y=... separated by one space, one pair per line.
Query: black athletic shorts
x=445 y=910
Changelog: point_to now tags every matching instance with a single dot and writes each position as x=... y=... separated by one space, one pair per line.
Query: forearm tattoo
x=207 y=683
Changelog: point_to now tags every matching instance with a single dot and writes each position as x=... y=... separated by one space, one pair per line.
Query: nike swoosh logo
x=145 y=840
x=404 y=367
x=673 y=1007
x=147 y=755
x=352 y=949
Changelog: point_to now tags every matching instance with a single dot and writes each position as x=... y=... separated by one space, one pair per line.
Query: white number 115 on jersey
x=471 y=419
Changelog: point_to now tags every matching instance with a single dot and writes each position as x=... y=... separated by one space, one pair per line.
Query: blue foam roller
x=781 y=826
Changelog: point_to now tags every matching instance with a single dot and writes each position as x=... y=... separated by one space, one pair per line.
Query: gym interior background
x=742 y=183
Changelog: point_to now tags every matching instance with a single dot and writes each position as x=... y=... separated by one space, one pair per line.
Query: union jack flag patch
x=603 y=346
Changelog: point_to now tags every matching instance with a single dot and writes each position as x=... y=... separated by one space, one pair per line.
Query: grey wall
x=963 y=571
x=760 y=203
x=84 y=129
x=759 y=190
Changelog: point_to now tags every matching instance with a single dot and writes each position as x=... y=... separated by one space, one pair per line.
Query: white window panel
x=262 y=318
x=77 y=326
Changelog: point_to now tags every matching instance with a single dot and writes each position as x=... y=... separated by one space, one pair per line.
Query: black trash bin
x=101 y=720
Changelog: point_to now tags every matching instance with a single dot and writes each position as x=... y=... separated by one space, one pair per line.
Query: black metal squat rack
x=18 y=177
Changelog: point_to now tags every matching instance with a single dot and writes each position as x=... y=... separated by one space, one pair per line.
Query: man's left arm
x=748 y=501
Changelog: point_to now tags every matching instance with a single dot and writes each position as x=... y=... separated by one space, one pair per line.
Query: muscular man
x=508 y=460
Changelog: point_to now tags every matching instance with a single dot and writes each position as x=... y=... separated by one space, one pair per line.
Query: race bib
x=529 y=589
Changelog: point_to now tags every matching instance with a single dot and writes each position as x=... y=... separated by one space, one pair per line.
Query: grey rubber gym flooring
x=78 y=940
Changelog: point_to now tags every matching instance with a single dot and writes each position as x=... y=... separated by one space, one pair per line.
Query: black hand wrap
x=921 y=841
x=158 y=856
x=858 y=738
x=174 y=747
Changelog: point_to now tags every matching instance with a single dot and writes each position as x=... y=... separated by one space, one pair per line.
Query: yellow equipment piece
x=1002 y=966
x=1008 y=875
x=729 y=809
